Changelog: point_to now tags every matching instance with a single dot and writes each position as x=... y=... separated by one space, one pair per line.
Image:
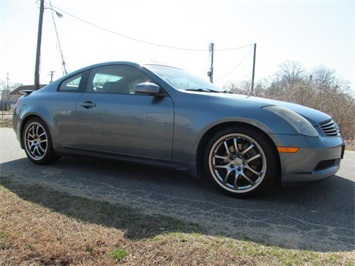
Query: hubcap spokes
x=237 y=163
x=36 y=141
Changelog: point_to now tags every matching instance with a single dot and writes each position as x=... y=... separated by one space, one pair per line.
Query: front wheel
x=241 y=161
x=38 y=143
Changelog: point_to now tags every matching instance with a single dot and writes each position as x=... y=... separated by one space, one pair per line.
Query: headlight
x=299 y=123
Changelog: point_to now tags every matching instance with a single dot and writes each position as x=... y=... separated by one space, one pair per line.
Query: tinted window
x=71 y=85
x=181 y=79
x=115 y=79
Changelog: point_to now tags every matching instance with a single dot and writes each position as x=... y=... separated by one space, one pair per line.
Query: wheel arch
x=213 y=130
x=24 y=122
x=36 y=140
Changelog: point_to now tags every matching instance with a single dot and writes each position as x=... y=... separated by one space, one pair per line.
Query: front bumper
x=317 y=158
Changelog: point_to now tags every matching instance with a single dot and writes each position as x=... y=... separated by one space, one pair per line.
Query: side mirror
x=147 y=88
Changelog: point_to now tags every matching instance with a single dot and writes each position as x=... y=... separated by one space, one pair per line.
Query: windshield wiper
x=203 y=90
x=226 y=91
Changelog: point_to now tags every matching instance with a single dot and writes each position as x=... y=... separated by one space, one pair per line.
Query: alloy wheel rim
x=237 y=162
x=36 y=141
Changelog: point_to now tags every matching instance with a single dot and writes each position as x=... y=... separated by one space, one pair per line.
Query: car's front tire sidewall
x=241 y=161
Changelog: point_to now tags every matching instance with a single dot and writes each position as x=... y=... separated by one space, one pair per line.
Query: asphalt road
x=318 y=216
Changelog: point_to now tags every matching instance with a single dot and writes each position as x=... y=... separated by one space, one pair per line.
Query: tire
x=37 y=142
x=241 y=161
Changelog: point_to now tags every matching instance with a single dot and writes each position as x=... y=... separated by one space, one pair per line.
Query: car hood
x=312 y=115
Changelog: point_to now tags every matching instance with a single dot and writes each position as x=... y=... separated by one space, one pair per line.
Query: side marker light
x=288 y=149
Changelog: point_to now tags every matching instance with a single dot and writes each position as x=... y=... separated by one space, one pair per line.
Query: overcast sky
x=178 y=33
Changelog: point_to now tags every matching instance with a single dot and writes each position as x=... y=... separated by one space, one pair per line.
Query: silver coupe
x=154 y=114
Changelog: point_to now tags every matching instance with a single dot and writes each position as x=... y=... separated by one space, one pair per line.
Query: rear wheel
x=38 y=143
x=241 y=161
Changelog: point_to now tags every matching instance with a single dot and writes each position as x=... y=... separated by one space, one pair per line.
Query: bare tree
x=323 y=77
x=320 y=89
x=291 y=74
x=334 y=98
x=244 y=87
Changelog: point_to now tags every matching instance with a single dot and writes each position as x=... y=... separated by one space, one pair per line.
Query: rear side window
x=71 y=85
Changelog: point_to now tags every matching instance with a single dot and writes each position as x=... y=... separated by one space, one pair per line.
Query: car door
x=64 y=111
x=112 y=118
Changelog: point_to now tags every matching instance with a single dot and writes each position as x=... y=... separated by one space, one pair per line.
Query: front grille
x=330 y=128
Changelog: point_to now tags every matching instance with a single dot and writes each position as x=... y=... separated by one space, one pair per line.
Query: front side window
x=71 y=85
x=116 y=79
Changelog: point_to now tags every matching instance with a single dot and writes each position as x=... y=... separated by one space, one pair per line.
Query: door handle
x=88 y=104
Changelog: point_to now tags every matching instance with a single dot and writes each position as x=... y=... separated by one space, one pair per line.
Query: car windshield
x=183 y=80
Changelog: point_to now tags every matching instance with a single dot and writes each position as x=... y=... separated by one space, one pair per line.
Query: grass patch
x=40 y=226
x=118 y=254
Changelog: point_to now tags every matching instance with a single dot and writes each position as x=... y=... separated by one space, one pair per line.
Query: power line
x=64 y=69
x=128 y=37
x=15 y=11
x=234 y=48
x=234 y=68
x=143 y=41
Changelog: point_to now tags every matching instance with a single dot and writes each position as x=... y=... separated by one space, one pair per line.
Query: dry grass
x=350 y=145
x=39 y=226
x=5 y=122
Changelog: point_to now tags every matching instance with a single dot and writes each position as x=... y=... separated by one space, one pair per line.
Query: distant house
x=16 y=93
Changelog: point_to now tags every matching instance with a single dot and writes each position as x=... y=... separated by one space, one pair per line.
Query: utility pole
x=5 y=93
x=39 y=41
x=253 y=75
x=51 y=73
x=210 y=72
x=7 y=82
